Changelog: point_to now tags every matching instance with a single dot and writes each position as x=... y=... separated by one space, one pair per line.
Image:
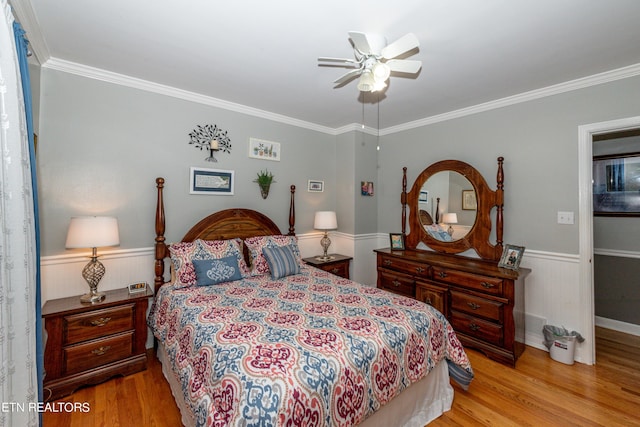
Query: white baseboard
x=616 y=325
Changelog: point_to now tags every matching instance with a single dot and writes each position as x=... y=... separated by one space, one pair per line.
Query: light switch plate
x=565 y=217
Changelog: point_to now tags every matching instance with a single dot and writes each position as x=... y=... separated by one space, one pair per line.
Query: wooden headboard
x=221 y=225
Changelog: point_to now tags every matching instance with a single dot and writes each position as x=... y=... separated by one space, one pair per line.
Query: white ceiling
x=263 y=54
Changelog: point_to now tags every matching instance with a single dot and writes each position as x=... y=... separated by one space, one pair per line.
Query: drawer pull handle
x=487 y=285
x=396 y=283
x=473 y=305
x=428 y=300
x=388 y=262
x=335 y=270
x=474 y=327
x=442 y=274
x=419 y=269
x=101 y=350
x=101 y=321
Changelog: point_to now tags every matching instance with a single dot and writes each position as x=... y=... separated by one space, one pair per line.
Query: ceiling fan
x=375 y=60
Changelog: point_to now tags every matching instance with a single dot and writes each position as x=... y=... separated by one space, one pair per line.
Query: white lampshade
x=92 y=232
x=325 y=220
x=450 y=218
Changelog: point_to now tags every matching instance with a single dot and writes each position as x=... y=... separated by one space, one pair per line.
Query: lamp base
x=325 y=258
x=92 y=298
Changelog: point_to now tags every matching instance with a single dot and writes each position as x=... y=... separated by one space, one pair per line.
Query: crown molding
x=25 y=15
x=133 y=82
x=121 y=79
x=596 y=79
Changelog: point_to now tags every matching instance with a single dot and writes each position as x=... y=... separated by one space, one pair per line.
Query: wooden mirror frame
x=478 y=237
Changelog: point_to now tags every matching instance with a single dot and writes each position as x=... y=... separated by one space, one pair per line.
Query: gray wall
x=102 y=145
x=539 y=141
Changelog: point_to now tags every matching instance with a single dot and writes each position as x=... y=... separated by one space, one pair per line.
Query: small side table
x=90 y=343
x=339 y=265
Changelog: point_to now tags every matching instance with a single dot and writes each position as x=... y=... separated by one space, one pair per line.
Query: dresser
x=338 y=264
x=90 y=343
x=484 y=303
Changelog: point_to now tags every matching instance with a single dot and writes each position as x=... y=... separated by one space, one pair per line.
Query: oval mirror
x=446 y=206
x=452 y=187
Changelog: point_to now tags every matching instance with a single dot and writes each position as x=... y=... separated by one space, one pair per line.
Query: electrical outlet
x=565 y=217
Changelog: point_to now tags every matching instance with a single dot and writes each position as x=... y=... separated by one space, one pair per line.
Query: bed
x=249 y=335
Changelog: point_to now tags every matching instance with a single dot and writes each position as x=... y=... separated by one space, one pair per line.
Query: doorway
x=586 y=133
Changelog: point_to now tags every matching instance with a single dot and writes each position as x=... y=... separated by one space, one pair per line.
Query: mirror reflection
x=447 y=206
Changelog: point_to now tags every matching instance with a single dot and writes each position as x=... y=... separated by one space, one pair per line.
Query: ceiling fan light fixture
x=366 y=82
x=381 y=71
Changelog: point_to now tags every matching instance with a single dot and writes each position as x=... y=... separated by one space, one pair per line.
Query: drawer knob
x=419 y=269
x=428 y=300
x=335 y=270
x=473 y=305
x=442 y=274
x=388 y=262
x=396 y=283
x=487 y=285
x=101 y=350
x=101 y=321
x=474 y=327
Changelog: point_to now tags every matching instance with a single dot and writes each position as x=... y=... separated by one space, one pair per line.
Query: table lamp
x=93 y=232
x=325 y=221
x=450 y=218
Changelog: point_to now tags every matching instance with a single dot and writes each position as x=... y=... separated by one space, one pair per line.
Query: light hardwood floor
x=538 y=392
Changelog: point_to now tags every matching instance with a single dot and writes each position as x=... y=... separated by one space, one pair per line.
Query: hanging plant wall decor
x=211 y=138
x=264 y=180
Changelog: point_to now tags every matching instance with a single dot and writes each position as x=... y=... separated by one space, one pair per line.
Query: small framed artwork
x=314 y=186
x=511 y=257
x=265 y=150
x=469 y=202
x=211 y=181
x=366 y=188
x=396 y=241
x=424 y=196
x=616 y=185
x=137 y=288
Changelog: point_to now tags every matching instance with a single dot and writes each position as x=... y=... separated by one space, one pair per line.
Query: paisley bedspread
x=311 y=349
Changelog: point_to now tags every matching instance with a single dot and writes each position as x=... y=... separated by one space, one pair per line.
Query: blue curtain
x=22 y=49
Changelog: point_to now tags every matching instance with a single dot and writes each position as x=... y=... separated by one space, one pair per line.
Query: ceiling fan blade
x=404 y=65
x=360 y=42
x=346 y=77
x=403 y=44
x=329 y=59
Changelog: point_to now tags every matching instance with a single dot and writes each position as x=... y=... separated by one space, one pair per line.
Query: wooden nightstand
x=339 y=265
x=90 y=343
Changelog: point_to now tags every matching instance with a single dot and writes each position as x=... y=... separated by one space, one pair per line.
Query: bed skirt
x=416 y=406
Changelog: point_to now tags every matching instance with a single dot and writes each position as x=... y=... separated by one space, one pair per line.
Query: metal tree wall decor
x=211 y=138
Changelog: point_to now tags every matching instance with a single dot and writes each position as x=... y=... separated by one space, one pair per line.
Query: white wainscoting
x=551 y=290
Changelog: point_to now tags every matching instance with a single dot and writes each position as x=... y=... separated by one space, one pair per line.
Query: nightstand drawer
x=96 y=353
x=476 y=306
x=339 y=269
x=99 y=323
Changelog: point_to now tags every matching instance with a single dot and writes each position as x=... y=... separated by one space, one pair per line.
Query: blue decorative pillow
x=214 y=271
x=282 y=261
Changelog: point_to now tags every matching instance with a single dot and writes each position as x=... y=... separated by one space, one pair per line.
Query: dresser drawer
x=477 y=306
x=397 y=283
x=485 y=284
x=476 y=327
x=435 y=296
x=414 y=268
x=82 y=357
x=98 y=323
